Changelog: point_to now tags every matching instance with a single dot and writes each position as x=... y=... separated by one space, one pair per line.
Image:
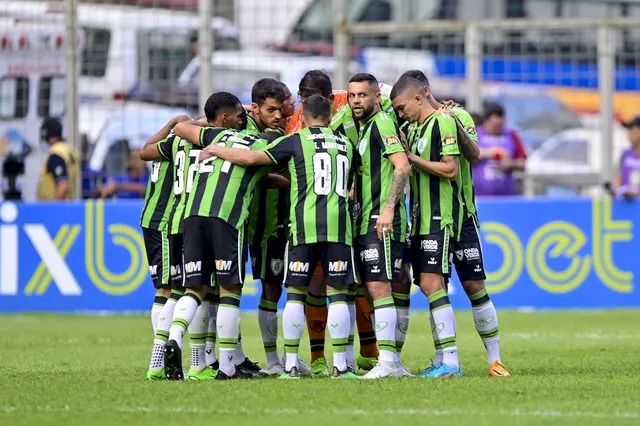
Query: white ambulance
x=32 y=87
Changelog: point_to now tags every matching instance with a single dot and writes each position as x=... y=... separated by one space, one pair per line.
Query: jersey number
x=322 y=174
x=207 y=167
x=180 y=164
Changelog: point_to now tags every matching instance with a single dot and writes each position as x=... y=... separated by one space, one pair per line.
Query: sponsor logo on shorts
x=339 y=266
x=432 y=261
x=176 y=270
x=397 y=264
x=375 y=269
x=472 y=253
x=430 y=246
x=153 y=269
x=299 y=266
x=369 y=255
x=223 y=265
x=192 y=267
x=277 y=265
x=478 y=268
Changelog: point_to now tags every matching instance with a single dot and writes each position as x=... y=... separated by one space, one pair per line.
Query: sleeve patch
x=470 y=129
x=449 y=140
x=391 y=140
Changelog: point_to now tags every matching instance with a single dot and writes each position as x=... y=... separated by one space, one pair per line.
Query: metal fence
x=534 y=68
x=116 y=72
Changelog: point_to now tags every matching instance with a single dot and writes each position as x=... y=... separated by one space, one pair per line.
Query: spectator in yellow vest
x=58 y=174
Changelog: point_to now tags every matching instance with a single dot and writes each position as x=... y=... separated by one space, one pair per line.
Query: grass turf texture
x=569 y=368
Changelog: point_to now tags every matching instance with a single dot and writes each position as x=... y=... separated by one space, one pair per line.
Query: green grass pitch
x=569 y=368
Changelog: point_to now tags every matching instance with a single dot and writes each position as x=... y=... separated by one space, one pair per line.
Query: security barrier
x=542 y=253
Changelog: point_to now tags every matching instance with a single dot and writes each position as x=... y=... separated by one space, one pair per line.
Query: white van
x=32 y=86
x=125 y=46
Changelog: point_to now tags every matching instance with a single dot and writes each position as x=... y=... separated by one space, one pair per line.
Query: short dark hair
x=493 y=108
x=317 y=106
x=219 y=101
x=266 y=88
x=418 y=75
x=315 y=82
x=364 y=77
x=51 y=128
x=404 y=84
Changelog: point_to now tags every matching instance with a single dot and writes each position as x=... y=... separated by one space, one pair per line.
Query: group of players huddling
x=320 y=194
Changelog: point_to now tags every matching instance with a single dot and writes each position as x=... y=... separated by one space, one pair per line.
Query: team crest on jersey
x=391 y=140
x=362 y=147
x=276 y=266
x=470 y=129
x=422 y=143
x=449 y=140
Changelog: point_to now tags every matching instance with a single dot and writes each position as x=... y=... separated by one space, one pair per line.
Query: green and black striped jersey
x=436 y=203
x=269 y=210
x=184 y=158
x=465 y=177
x=374 y=175
x=159 y=196
x=319 y=161
x=222 y=189
x=343 y=120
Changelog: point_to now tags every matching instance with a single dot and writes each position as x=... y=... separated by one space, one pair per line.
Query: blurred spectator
x=58 y=174
x=501 y=153
x=627 y=181
x=130 y=184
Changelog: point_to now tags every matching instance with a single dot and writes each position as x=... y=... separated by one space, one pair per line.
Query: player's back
x=222 y=189
x=320 y=167
x=159 y=196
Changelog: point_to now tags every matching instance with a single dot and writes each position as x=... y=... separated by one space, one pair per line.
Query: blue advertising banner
x=69 y=257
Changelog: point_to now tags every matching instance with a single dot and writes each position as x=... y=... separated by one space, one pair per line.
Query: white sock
x=228 y=329
x=239 y=355
x=183 y=314
x=198 y=336
x=444 y=327
x=485 y=318
x=293 y=323
x=437 y=359
x=268 y=322
x=385 y=326
x=158 y=303
x=338 y=321
x=212 y=333
x=162 y=334
x=351 y=353
x=402 y=308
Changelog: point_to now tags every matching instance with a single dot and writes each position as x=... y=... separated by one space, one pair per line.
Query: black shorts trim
x=156 y=245
x=466 y=254
x=212 y=247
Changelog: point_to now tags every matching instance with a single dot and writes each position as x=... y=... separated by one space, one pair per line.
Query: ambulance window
x=95 y=52
x=51 y=100
x=14 y=97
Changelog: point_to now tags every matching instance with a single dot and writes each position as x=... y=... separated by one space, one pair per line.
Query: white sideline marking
x=359 y=412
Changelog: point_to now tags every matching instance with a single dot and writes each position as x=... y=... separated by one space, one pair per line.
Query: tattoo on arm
x=397 y=187
x=469 y=148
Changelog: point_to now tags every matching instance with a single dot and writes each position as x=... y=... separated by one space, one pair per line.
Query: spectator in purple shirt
x=627 y=182
x=501 y=153
x=132 y=183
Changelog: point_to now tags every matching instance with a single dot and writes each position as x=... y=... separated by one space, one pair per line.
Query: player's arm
x=277 y=181
x=58 y=168
x=468 y=144
x=150 y=150
x=192 y=130
x=446 y=168
x=241 y=157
